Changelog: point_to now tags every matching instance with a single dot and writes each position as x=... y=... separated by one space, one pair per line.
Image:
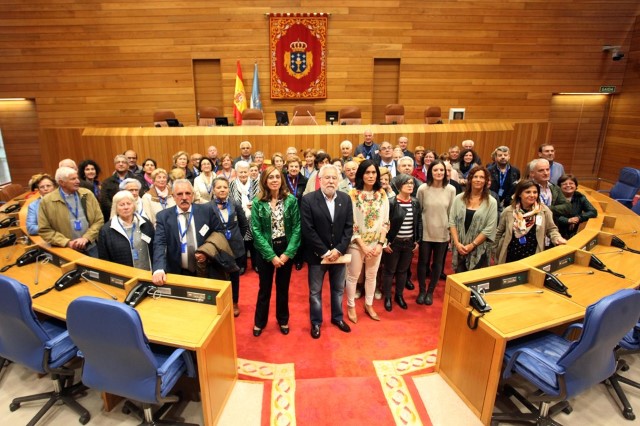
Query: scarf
x=523 y=221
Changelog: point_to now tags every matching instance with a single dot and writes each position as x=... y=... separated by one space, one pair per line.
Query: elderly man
x=346 y=151
x=111 y=185
x=349 y=169
x=212 y=154
x=550 y=194
x=70 y=217
x=385 y=158
x=68 y=162
x=504 y=176
x=403 y=143
x=368 y=149
x=180 y=231
x=405 y=166
x=548 y=152
x=132 y=160
x=245 y=153
x=194 y=164
x=327 y=227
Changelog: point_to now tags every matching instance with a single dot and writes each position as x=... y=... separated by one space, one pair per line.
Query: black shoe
x=257 y=331
x=443 y=276
x=409 y=285
x=298 y=266
x=315 y=331
x=343 y=326
x=242 y=271
x=284 y=329
x=400 y=301
x=387 y=304
x=421 y=297
x=429 y=299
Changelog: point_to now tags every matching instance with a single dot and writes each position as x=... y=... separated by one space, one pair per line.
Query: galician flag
x=239 y=97
x=255 y=90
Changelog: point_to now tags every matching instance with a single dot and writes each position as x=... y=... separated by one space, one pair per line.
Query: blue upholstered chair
x=118 y=359
x=636 y=208
x=561 y=368
x=629 y=344
x=43 y=346
x=625 y=189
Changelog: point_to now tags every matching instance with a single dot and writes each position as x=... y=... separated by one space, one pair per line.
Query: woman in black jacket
x=581 y=209
x=402 y=240
x=127 y=238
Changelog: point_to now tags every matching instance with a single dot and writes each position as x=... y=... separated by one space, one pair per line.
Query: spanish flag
x=239 y=97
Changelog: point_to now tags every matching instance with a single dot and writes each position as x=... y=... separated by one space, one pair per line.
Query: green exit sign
x=607 y=89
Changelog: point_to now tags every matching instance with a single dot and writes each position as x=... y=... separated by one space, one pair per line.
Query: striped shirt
x=406 y=229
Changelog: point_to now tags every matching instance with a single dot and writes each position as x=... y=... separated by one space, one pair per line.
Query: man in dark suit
x=180 y=230
x=327 y=227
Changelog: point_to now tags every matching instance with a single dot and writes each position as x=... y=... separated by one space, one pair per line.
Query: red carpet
x=335 y=376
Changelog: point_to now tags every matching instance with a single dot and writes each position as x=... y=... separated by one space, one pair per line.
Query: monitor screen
x=331 y=116
x=222 y=121
x=282 y=118
x=172 y=122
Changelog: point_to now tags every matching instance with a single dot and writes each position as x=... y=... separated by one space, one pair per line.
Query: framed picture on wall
x=456 y=114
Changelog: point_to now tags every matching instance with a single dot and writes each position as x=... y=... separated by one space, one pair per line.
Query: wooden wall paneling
x=386 y=86
x=207 y=81
x=19 y=126
x=623 y=131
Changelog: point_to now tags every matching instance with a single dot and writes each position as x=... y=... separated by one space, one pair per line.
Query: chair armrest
x=553 y=367
x=175 y=355
x=60 y=345
x=572 y=327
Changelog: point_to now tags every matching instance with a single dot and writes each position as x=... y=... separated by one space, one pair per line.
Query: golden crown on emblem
x=298 y=46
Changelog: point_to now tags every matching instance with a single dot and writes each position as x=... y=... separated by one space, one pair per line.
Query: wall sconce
x=616 y=53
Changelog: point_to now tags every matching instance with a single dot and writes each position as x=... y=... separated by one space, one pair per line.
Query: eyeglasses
x=45 y=186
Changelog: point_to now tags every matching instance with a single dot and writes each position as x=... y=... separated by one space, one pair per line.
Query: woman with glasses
x=44 y=184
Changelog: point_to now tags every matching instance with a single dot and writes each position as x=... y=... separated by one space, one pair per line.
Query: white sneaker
x=378 y=295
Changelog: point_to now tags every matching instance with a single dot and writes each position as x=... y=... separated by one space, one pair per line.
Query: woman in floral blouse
x=370 y=226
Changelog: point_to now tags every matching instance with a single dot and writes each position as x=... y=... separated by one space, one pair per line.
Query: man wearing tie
x=179 y=232
x=327 y=227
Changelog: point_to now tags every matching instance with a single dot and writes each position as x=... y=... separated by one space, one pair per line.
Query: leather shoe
x=351 y=314
x=409 y=285
x=369 y=310
x=315 y=331
x=257 y=331
x=443 y=276
x=343 y=326
x=400 y=301
x=421 y=297
x=298 y=266
x=236 y=310
x=429 y=299
x=284 y=329
x=387 y=304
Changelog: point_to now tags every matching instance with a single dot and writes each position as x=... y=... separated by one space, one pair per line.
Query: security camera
x=616 y=53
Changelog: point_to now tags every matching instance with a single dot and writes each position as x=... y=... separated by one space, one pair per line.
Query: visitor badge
x=203 y=231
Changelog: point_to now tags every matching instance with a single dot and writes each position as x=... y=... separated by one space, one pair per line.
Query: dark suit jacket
x=166 y=245
x=319 y=233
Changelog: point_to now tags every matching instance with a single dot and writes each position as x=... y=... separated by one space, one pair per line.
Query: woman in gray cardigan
x=472 y=222
x=524 y=225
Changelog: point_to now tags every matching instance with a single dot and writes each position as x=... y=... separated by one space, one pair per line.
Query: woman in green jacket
x=275 y=222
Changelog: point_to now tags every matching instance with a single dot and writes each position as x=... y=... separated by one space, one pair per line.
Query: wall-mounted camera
x=616 y=53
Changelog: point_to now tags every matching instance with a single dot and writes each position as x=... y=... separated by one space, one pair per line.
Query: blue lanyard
x=96 y=189
x=163 y=201
x=294 y=188
x=307 y=173
x=503 y=176
x=141 y=212
x=133 y=230
x=182 y=234
x=367 y=152
x=209 y=188
x=64 y=198
x=227 y=232
x=225 y=175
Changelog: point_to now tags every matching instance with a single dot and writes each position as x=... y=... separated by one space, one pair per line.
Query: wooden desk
x=470 y=360
x=206 y=329
x=608 y=205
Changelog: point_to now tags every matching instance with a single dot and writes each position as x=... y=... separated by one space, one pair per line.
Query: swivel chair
x=207 y=116
x=629 y=344
x=252 y=117
x=560 y=368
x=303 y=115
x=43 y=346
x=350 y=115
x=394 y=114
x=433 y=115
x=160 y=118
x=627 y=186
x=118 y=358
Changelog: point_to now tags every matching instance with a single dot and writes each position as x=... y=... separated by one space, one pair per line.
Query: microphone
x=514 y=292
x=97 y=286
x=626 y=233
x=42 y=259
x=617 y=242
x=611 y=252
x=557 y=274
x=312 y=118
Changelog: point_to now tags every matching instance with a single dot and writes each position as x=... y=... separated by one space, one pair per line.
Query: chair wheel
x=625 y=367
x=84 y=419
x=14 y=406
x=567 y=410
x=629 y=415
x=125 y=410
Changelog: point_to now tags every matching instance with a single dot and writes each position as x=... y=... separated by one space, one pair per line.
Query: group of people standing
x=361 y=218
